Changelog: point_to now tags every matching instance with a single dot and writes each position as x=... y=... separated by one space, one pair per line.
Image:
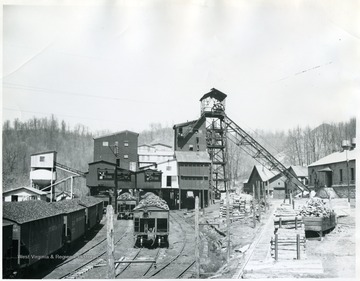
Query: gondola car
x=37 y=231
x=126 y=204
x=151 y=222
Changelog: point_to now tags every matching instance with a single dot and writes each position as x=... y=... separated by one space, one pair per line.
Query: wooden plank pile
x=223 y=209
x=286 y=217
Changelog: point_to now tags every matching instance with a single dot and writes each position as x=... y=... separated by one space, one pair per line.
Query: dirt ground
x=214 y=256
x=337 y=249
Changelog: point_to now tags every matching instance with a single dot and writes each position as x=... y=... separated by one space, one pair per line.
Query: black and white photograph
x=180 y=139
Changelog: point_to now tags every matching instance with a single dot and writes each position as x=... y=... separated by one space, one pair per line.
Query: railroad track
x=89 y=258
x=181 y=263
x=140 y=263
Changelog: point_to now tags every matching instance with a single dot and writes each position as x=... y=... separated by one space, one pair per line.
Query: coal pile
x=126 y=197
x=315 y=207
x=152 y=200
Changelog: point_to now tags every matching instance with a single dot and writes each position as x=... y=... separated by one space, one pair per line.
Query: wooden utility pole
x=197 y=254
x=228 y=224
x=110 y=241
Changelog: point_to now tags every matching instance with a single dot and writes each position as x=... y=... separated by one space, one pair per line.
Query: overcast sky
x=121 y=65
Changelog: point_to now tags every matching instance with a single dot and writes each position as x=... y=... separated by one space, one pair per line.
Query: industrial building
x=337 y=170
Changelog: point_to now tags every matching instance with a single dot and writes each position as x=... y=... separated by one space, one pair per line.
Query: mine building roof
x=114 y=134
x=336 y=157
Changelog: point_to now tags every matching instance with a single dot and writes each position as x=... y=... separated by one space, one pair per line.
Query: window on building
x=168 y=181
x=126 y=143
x=197 y=139
x=126 y=156
x=180 y=131
x=341 y=175
x=352 y=171
x=105 y=143
x=14 y=198
x=42 y=158
x=191 y=147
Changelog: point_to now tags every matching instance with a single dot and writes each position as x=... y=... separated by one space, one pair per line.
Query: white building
x=154 y=153
x=23 y=193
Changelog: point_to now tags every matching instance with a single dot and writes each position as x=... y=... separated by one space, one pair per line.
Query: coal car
x=126 y=204
x=151 y=222
x=74 y=219
x=37 y=231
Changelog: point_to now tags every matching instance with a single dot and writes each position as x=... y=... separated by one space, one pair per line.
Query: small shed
x=23 y=193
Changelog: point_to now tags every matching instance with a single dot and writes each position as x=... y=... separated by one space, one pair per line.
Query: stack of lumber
x=223 y=209
x=152 y=201
x=287 y=244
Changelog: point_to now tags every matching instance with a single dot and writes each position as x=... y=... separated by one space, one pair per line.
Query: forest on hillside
x=74 y=146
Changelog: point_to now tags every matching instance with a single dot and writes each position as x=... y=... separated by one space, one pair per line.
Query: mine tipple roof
x=192 y=157
x=89 y=201
x=214 y=93
x=68 y=206
x=336 y=158
x=27 y=211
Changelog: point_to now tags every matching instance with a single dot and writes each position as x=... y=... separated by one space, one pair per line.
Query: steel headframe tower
x=213 y=109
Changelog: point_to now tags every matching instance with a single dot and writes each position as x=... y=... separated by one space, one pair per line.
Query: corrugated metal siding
x=194 y=176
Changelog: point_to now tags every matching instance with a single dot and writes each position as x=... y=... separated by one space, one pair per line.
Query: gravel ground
x=337 y=250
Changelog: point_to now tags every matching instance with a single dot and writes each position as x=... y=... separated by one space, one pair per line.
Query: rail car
x=151 y=223
x=126 y=204
x=39 y=230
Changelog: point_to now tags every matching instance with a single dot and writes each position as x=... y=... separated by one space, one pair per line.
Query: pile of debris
x=150 y=199
x=315 y=207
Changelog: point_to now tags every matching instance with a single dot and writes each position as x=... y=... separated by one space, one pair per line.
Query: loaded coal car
x=37 y=232
x=151 y=222
x=126 y=204
x=74 y=219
